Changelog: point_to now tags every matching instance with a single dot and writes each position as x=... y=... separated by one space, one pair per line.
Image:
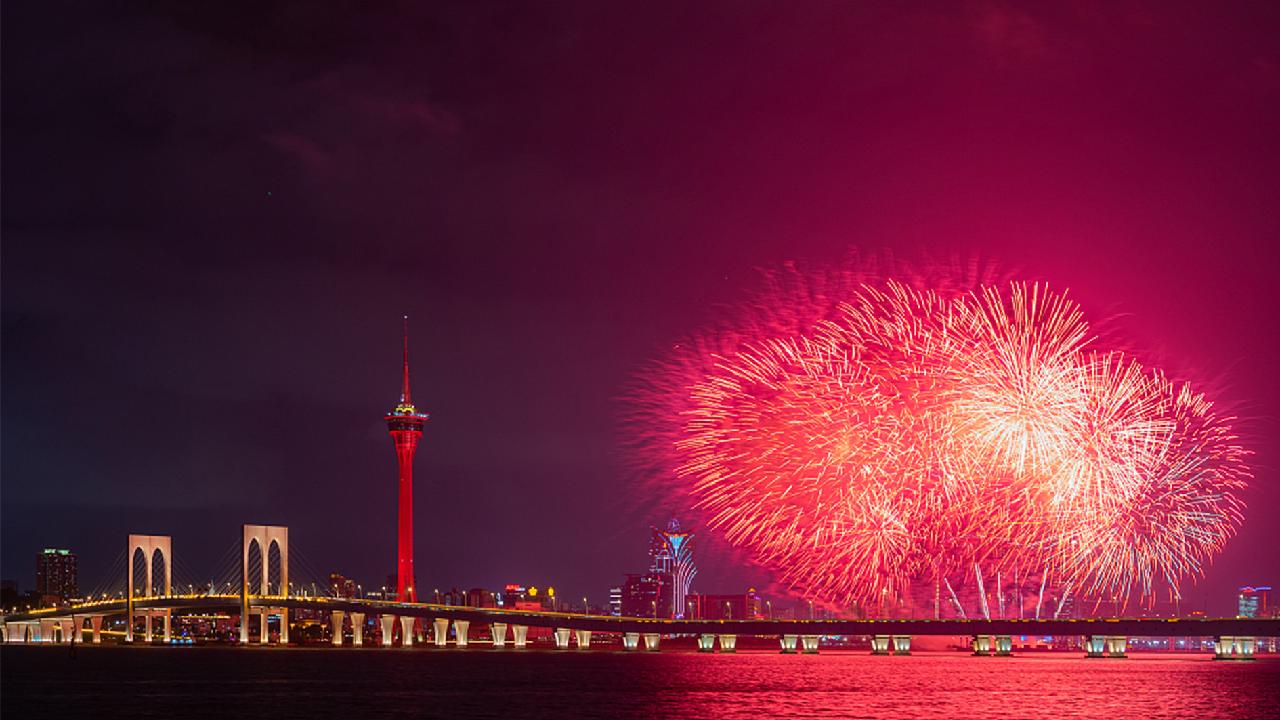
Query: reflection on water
x=272 y=683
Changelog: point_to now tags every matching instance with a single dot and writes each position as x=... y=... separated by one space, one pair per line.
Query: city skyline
x=200 y=297
x=667 y=555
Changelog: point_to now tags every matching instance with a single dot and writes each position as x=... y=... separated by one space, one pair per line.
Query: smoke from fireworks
x=856 y=433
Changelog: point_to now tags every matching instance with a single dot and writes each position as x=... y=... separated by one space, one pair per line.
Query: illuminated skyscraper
x=56 y=574
x=405 y=425
x=671 y=551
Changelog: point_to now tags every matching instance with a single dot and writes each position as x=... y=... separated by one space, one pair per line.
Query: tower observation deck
x=404 y=423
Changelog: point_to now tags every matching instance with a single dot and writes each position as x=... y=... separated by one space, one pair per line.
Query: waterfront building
x=342 y=586
x=56 y=578
x=481 y=598
x=646 y=595
x=743 y=606
x=1254 y=601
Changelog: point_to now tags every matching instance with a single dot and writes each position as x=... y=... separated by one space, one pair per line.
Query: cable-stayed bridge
x=251 y=582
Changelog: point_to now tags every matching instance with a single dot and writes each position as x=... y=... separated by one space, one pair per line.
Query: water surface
x=228 y=682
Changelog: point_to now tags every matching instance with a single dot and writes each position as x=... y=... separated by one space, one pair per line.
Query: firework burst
x=856 y=434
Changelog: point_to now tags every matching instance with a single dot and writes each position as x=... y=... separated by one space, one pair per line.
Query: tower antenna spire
x=404 y=388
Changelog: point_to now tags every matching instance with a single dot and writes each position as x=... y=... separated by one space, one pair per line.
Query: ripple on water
x=107 y=682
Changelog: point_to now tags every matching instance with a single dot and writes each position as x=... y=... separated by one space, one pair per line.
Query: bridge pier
x=1229 y=647
x=788 y=643
x=388 y=629
x=630 y=641
x=460 y=628
x=440 y=631
x=1004 y=646
x=1113 y=646
x=584 y=639
x=357 y=629
x=901 y=644
x=880 y=644
x=706 y=643
x=264 y=629
x=406 y=631
x=1116 y=646
x=148 y=635
x=809 y=644
x=982 y=645
x=519 y=635
x=1095 y=646
x=95 y=621
x=651 y=641
x=498 y=631
x=284 y=624
x=335 y=622
x=562 y=638
x=728 y=643
x=46 y=631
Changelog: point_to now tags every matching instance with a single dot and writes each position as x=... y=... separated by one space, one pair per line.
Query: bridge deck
x=1132 y=627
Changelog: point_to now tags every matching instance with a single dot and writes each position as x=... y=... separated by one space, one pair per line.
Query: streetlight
x=654 y=603
x=769 y=604
x=584 y=605
x=728 y=610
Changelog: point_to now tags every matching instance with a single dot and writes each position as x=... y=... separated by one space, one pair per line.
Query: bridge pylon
x=150 y=546
x=264 y=536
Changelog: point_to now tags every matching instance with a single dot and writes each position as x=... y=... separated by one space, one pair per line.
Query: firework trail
x=856 y=433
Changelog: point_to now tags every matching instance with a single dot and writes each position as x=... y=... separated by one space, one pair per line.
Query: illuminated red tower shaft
x=404 y=423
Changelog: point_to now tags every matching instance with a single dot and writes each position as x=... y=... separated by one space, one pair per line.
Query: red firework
x=869 y=433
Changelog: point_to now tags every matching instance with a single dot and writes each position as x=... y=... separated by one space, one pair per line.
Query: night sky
x=214 y=218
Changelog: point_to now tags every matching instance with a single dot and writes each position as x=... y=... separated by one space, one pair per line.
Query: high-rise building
x=671 y=554
x=1254 y=602
x=404 y=423
x=615 y=600
x=56 y=574
x=646 y=595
